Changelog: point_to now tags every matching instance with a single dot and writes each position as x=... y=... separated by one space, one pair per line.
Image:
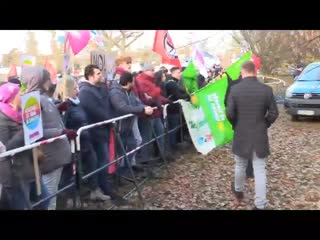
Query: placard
x=31 y=117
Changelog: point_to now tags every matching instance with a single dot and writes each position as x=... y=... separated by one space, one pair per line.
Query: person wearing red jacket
x=150 y=94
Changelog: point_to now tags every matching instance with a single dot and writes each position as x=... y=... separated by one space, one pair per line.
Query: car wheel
x=294 y=118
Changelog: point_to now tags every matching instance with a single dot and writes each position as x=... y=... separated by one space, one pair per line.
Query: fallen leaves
x=204 y=182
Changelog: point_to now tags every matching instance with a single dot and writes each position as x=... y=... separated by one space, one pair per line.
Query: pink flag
x=199 y=62
x=78 y=40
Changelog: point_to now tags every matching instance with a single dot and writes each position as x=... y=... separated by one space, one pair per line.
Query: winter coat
x=251 y=110
x=95 y=102
x=145 y=85
x=58 y=153
x=124 y=102
x=75 y=118
x=174 y=93
x=20 y=165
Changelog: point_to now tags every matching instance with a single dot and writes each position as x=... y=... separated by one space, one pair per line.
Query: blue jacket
x=122 y=103
x=95 y=103
x=75 y=118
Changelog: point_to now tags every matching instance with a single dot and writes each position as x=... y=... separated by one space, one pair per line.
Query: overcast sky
x=17 y=38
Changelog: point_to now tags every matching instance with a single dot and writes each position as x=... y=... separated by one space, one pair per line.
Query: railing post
x=76 y=173
x=118 y=137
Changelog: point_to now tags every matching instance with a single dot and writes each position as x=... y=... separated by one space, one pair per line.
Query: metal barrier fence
x=279 y=87
x=77 y=161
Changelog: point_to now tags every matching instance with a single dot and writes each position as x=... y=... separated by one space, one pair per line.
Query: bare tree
x=13 y=57
x=32 y=44
x=122 y=39
x=279 y=48
x=57 y=51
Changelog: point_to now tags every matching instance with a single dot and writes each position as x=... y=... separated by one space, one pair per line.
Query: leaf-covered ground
x=203 y=182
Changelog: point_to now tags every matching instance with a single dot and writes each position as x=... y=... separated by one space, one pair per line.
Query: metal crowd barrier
x=77 y=161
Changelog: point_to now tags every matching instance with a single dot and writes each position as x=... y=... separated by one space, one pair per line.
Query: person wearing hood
x=95 y=102
x=15 y=80
x=124 y=102
x=58 y=153
x=16 y=172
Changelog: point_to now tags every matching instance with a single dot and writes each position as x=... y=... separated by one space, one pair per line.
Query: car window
x=310 y=73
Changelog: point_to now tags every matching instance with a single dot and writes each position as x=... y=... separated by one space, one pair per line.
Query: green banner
x=190 y=78
x=234 y=69
x=211 y=100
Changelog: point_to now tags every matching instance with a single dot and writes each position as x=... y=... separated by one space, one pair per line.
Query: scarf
x=75 y=101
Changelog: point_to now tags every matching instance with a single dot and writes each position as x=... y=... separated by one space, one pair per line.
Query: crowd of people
x=85 y=101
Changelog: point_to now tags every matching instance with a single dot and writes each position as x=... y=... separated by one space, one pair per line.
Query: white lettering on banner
x=219 y=115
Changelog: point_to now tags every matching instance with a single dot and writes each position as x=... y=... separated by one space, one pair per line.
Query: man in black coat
x=175 y=92
x=95 y=102
x=231 y=83
x=251 y=110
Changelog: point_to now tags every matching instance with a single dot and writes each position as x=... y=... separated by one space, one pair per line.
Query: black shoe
x=137 y=169
x=250 y=176
x=119 y=201
x=238 y=195
x=170 y=158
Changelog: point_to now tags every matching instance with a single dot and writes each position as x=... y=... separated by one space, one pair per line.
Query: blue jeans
x=259 y=168
x=129 y=143
x=173 y=122
x=28 y=190
x=158 y=127
x=146 y=134
x=101 y=179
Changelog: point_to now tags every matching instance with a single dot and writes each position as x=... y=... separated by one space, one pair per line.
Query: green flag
x=211 y=100
x=234 y=69
x=190 y=78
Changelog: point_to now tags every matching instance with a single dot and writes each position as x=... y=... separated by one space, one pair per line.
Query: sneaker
x=97 y=195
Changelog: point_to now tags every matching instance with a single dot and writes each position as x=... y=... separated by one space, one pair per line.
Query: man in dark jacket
x=231 y=83
x=251 y=109
x=94 y=101
x=174 y=93
x=122 y=103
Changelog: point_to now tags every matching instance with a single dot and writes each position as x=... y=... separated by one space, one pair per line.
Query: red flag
x=112 y=153
x=13 y=71
x=51 y=70
x=163 y=45
x=256 y=61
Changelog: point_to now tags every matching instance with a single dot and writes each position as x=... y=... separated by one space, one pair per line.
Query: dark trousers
x=146 y=135
x=26 y=191
x=249 y=170
x=99 y=159
x=129 y=143
x=158 y=127
x=173 y=122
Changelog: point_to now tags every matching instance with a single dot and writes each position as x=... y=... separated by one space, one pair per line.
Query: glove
x=63 y=107
x=71 y=134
